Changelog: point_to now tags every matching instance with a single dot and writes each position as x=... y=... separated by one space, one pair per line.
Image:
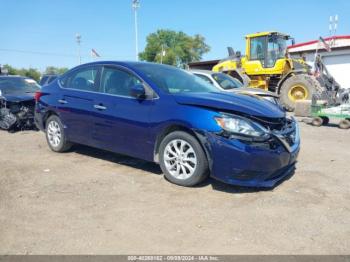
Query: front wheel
x=55 y=135
x=182 y=159
x=296 y=88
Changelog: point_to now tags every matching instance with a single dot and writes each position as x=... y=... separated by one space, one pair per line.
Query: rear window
x=18 y=85
x=226 y=82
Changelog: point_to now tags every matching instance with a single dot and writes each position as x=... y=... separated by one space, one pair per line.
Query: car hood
x=19 y=98
x=254 y=91
x=231 y=102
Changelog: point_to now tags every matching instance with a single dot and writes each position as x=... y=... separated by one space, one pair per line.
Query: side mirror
x=138 y=91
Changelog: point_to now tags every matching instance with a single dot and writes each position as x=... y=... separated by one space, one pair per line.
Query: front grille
x=283 y=128
x=271 y=124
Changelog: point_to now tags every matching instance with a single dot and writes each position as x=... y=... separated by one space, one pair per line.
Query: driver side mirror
x=138 y=91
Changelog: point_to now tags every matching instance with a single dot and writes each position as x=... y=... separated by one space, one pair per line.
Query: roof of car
x=207 y=72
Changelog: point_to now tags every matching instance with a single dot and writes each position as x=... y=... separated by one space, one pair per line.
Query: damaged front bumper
x=16 y=115
x=259 y=164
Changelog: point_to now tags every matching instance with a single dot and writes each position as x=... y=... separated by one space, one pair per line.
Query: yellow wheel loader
x=267 y=65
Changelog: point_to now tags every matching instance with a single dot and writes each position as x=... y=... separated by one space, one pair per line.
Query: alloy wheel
x=54 y=133
x=180 y=159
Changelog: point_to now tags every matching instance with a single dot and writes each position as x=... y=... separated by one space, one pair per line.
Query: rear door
x=76 y=103
x=121 y=122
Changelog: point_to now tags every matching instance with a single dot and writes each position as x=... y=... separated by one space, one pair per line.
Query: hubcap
x=54 y=133
x=180 y=159
x=297 y=92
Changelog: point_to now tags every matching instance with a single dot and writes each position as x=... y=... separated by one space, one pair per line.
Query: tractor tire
x=298 y=87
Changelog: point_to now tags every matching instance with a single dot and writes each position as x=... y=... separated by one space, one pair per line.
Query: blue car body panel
x=237 y=103
x=132 y=126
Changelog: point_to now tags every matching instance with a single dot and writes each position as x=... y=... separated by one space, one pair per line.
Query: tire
x=325 y=120
x=344 y=124
x=176 y=164
x=308 y=82
x=55 y=135
x=317 y=121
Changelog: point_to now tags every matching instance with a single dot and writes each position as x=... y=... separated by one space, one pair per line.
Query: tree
x=52 y=70
x=34 y=73
x=31 y=72
x=174 y=48
x=11 y=70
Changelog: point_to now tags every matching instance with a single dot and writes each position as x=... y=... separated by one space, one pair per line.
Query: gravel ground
x=93 y=202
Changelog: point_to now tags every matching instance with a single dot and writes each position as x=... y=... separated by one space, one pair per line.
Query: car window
x=51 y=79
x=81 y=79
x=118 y=82
x=43 y=80
x=205 y=78
x=226 y=82
x=173 y=80
x=18 y=85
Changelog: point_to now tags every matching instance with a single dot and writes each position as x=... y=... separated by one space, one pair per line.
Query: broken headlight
x=242 y=127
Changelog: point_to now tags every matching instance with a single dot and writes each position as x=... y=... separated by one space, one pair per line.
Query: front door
x=121 y=122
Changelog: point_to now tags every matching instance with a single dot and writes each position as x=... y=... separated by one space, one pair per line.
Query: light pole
x=333 y=24
x=162 y=54
x=135 y=6
x=78 y=39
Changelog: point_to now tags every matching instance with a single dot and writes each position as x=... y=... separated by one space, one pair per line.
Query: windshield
x=276 y=49
x=173 y=80
x=17 y=85
x=226 y=82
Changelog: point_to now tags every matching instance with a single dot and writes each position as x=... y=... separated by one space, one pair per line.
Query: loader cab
x=266 y=48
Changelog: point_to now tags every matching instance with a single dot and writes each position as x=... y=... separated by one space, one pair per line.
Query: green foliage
x=31 y=72
x=180 y=48
x=52 y=70
x=11 y=70
x=34 y=73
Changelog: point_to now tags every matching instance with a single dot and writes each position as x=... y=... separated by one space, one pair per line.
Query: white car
x=229 y=84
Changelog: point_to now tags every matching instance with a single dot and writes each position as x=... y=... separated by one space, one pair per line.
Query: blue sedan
x=163 y=114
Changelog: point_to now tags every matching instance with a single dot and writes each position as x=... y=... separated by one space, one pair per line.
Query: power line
x=35 y=52
x=58 y=54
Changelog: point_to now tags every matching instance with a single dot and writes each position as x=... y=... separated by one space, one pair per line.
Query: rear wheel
x=182 y=159
x=296 y=88
x=344 y=124
x=55 y=135
x=317 y=121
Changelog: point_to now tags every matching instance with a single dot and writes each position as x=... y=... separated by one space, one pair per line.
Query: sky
x=41 y=33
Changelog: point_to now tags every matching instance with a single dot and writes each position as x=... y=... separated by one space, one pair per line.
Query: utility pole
x=136 y=6
x=333 y=24
x=161 y=54
x=78 y=39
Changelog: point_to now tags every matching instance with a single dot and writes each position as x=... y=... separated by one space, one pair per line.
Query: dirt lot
x=93 y=202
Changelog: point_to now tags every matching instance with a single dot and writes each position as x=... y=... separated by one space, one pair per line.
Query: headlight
x=271 y=99
x=241 y=126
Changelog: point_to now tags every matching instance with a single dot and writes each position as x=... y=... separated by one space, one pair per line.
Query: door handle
x=62 y=101
x=100 y=107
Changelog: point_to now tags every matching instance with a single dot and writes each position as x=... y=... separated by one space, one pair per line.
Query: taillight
x=37 y=96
